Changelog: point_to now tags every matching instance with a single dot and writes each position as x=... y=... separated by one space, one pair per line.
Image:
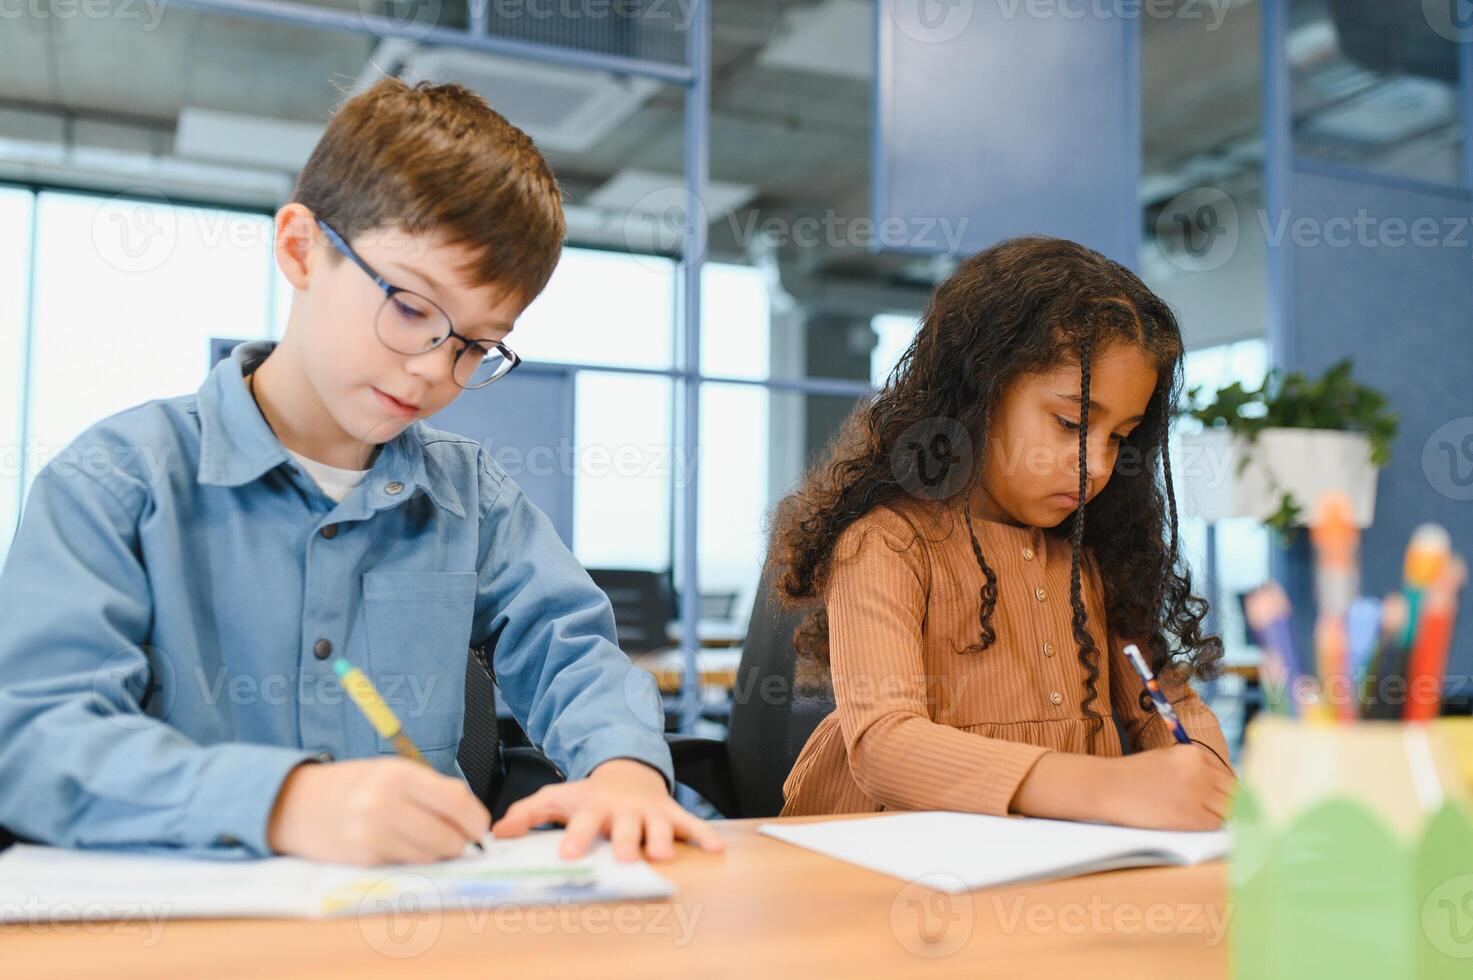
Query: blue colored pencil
x=1163 y=706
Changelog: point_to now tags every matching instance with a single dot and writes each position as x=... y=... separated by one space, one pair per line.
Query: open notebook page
x=967 y=850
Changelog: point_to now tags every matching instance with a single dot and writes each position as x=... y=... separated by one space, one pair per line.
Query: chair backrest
x=480 y=741
x=644 y=605
x=771 y=715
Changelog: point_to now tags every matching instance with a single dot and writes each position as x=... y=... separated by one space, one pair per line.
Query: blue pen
x=1163 y=706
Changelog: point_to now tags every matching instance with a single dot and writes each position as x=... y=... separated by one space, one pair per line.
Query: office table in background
x=718 y=667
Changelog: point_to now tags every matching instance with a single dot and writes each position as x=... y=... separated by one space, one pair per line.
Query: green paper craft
x=1336 y=894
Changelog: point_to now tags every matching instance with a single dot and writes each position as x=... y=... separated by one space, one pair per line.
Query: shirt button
x=228 y=840
x=1027 y=554
x=330 y=532
x=1048 y=649
x=324 y=756
x=394 y=487
x=323 y=649
x=1056 y=697
x=1042 y=595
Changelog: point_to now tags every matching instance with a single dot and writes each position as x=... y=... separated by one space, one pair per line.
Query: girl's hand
x=374 y=811
x=1181 y=787
x=622 y=799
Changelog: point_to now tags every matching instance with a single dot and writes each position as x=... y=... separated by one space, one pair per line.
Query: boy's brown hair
x=437 y=158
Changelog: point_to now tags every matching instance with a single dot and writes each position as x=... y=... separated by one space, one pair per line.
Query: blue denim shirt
x=178 y=588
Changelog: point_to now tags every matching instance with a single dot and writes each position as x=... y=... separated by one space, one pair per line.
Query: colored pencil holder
x=1352 y=854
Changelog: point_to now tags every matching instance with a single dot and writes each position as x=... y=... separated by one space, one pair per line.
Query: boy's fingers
x=452 y=800
x=429 y=837
x=659 y=837
x=544 y=805
x=625 y=834
x=582 y=829
x=698 y=832
x=519 y=818
x=395 y=849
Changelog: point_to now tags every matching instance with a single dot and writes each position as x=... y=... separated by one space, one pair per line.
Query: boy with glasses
x=169 y=621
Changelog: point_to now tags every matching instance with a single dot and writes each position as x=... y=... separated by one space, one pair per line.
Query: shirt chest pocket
x=419 y=628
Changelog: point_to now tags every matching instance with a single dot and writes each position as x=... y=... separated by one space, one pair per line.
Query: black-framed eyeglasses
x=408 y=323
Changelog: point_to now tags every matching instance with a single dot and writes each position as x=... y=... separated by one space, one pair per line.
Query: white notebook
x=957 y=852
x=50 y=884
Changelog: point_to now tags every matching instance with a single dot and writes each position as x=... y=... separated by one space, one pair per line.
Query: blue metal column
x=1278 y=157
x=1291 y=567
x=693 y=256
x=1465 y=103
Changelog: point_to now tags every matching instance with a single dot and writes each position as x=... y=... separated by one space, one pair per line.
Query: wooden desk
x=713 y=633
x=718 y=667
x=763 y=908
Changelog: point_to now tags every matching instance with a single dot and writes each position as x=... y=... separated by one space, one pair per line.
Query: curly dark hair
x=1023 y=306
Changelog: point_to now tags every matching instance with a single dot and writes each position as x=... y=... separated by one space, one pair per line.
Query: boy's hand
x=374 y=811
x=623 y=799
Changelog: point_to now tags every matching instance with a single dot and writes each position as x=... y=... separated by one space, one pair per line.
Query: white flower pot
x=1302 y=462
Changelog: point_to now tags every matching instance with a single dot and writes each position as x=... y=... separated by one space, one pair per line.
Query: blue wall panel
x=991 y=123
x=523 y=420
x=1363 y=287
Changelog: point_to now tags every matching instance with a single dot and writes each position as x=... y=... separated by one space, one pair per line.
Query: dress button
x=1027 y=554
x=1055 y=697
x=394 y=487
x=330 y=532
x=323 y=649
x=1042 y=595
x=1048 y=649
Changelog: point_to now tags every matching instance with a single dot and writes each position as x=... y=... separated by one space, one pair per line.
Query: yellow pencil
x=379 y=714
x=361 y=690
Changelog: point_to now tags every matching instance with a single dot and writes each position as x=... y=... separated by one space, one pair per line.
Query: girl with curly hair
x=993 y=510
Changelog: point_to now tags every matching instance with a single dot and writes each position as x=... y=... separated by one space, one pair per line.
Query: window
x=602 y=308
x=1376 y=85
x=893 y=335
x=1242 y=543
x=127 y=295
x=756 y=444
x=736 y=323
x=626 y=465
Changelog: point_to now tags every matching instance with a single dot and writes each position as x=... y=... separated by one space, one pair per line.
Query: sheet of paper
x=958 y=852
x=40 y=884
x=516 y=871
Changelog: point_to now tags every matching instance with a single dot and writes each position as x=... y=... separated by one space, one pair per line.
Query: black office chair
x=644 y=605
x=772 y=715
x=499 y=774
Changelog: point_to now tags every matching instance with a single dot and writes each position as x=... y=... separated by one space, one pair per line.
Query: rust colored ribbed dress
x=921 y=727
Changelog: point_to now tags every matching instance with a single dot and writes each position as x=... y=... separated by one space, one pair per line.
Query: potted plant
x=1269 y=452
